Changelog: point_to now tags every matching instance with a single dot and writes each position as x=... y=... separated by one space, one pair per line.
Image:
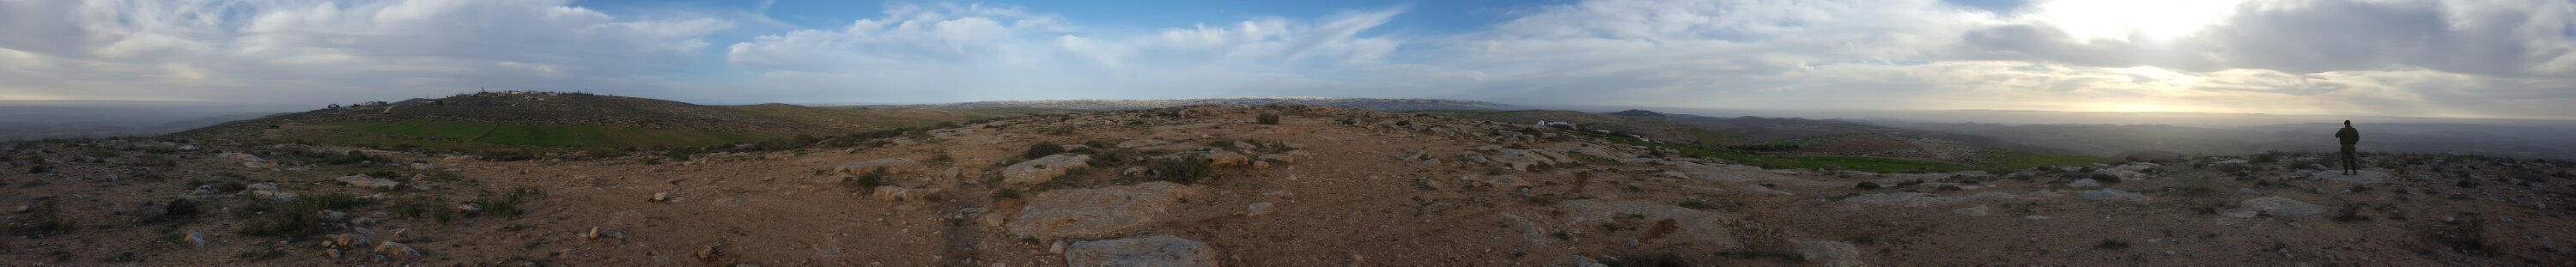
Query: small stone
x=196 y=238
x=2082 y=183
x=333 y=252
x=592 y=234
x=2034 y=217
x=398 y=235
x=1057 y=248
x=1257 y=209
x=1977 y=211
x=1427 y=184
x=707 y=253
x=398 y=251
x=469 y=208
x=662 y=197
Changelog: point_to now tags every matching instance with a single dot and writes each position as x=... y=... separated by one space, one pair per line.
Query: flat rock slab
x=2366 y=177
x=2283 y=207
x=364 y=181
x=1159 y=250
x=1041 y=170
x=2114 y=194
x=1096 y=212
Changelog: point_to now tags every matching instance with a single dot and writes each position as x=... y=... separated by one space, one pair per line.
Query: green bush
x=1268 y=118
x=1042 y=149
x=1184 y=170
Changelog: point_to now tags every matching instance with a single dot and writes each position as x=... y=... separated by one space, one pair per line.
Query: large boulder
x=891 y=165
x=1096 y=212
x=1159 y=250
x=2283 y=207
x=1041 y=170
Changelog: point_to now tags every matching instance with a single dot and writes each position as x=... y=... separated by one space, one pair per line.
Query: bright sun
x=2165 y=19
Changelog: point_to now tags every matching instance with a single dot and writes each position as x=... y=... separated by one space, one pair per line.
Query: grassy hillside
x=2000 y=160
x=1659 y=129
x=572 y=121
x=1717 y=140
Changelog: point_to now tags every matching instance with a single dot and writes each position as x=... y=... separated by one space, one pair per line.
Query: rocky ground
x=1216 y=186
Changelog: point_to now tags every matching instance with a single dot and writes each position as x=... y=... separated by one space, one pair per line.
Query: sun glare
x=2118 y=19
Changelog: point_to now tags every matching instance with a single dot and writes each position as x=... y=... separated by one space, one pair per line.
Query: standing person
x=2351 y=159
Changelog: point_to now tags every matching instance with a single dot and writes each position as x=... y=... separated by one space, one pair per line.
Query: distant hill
x=1381 y=104
x=551 y=119
x=1793 y=136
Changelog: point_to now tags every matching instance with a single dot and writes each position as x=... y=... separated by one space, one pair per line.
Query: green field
x=2002 y=160
x=526 y=135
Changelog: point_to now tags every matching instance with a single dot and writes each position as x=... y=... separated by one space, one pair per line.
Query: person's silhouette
x=2351 y=159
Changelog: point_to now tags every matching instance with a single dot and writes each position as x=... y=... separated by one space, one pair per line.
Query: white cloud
x=982 y=52
x=326 y=51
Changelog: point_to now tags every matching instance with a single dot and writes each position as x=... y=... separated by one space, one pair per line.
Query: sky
x=2466 y=58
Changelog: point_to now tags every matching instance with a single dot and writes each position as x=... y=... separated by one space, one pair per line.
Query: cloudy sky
x=2468 y=58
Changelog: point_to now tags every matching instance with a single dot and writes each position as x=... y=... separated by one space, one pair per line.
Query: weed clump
x=2111 y=244
x=1268 y=118
x=294 y=219
x=1183 y=170
x=1042 y=149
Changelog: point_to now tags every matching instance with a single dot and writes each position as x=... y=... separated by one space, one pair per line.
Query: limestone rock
x=1257 y=209
x=1830 y=253
x=397 y=251
x=1697 y=226
x=197 y=239
x=2114 y=194
x=1281 y=158
x=1041 y=170
x=2366 y=176
x=1977 y=211
x=1159 y=250
x=894 y=193
x=1096 y=212
x=1765 y=190
x=1222 y=158
x=2283 y=207
x=372 y=183
x=2083 y=183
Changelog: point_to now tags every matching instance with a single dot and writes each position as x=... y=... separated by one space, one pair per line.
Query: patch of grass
x=865 y=182
x=300 y=218
x=423 y=207
x=507 y=205
x=2350 y=213
x=1858 y=163
x=1706 y=205
x=1867 y=186
x=44 y=219
x=1183 y=170
x=2111 y=244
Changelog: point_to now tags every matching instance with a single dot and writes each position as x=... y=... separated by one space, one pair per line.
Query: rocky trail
x=1206 y=186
